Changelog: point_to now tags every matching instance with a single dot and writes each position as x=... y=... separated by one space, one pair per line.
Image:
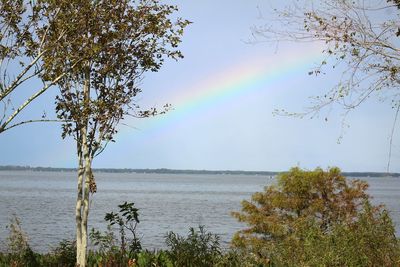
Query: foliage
x=108 y=252
x=317 y=218
x=103 y=241
x=369 y=241
x=19 y=251
x=17 y=241
x=236 y=258
x=22 y=31
x=148 y=258
x=65 y=253
x=115 y=42
x=64 y=256
x=102 y=49
x=363 y=35
x=308 y=219
x=199 y=248
x=126 y=219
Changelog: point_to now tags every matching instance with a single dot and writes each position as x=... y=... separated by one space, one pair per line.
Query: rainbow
x=243 y=78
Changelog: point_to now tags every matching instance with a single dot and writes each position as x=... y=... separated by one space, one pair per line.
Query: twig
x=391 y=136
x=30 y=121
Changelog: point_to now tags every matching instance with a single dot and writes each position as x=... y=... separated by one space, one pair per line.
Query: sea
x=45 y=203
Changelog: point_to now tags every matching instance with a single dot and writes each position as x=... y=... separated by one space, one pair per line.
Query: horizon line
x=169 y=170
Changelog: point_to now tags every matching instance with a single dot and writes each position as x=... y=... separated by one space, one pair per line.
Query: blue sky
x=235 y=132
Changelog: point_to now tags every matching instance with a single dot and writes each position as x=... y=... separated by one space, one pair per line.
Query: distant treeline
x=172 y=171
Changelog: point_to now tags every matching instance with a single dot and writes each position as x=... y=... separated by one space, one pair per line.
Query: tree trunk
x=82 y=205
x=83 y=194
x=78 y=211
x=85 y=208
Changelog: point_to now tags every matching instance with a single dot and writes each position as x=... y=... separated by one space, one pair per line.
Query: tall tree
x=116 y=42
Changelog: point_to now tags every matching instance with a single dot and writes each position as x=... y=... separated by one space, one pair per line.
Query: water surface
x=45 y=202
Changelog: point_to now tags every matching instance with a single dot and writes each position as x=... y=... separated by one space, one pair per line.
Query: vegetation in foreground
x=309 y=218
x=317 y=218
x=198 y=248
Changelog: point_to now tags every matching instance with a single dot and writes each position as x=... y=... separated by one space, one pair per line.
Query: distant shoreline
x=173 y=171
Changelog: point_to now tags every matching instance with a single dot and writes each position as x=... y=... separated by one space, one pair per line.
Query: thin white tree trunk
x=84 y=211
x=85 y=208
x=78 y=210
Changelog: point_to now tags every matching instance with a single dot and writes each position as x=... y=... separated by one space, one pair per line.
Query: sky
x=223 y=95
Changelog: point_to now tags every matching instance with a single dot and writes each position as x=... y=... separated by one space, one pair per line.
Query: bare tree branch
x=391 y=137
x=33 y=121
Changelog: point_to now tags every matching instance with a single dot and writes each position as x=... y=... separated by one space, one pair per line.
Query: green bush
x=153 y=258
x=65 y=253
x=127 y=219
x=111 y=251
x=200 y=248
x=317 y=218
x=103 y=242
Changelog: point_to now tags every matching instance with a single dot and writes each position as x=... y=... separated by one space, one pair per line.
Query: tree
x=317 y=218
x=361 y=36
x=115 y=42
x=23 y=30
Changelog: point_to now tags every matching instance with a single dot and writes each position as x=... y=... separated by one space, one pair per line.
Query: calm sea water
x=45 y=201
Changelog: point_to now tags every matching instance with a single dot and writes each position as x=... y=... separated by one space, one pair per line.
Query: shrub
x=155 y=258
x=316 y=218
x=65 y=253
x=17 y=240
x=108 y=252
x=234 y=258
x=19 y=252
x=127 y=219
x=104 y=242
x=199 y=248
